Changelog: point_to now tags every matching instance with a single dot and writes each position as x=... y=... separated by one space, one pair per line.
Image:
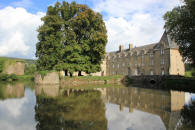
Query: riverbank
x=89 y=80
x=180 y=84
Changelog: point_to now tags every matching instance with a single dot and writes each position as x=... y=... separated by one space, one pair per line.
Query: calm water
x=25 y=107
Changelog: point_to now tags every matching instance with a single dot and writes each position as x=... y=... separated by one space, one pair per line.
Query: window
x=135 y=61
x=162 y=51
x=142 y=59
x=162 y=72
x=113 y=66
x=152 y=62
x=123 y=64
x=118 y=65
x=151 y=72
x=151 y=55
x=162 y=61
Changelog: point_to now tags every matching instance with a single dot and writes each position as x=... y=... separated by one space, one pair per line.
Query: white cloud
x=136 y=120
x=134 y=21
x=140 y=30
x=18 y=31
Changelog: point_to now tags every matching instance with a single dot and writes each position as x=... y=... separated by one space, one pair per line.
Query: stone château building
x=162 y=58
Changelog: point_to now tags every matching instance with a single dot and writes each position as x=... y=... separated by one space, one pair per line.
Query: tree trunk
x=79 y=74
x=66 y=72
x=70 y=74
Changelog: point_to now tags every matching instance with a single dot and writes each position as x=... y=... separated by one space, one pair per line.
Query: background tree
x=72 y=38
x=180 y=25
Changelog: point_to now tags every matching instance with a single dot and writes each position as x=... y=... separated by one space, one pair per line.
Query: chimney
x=121 y=48
x=130 y=46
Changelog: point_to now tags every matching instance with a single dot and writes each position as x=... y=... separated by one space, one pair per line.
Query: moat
x=112 y=107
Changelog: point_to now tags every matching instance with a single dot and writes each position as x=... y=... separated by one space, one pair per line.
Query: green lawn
x=188 y=74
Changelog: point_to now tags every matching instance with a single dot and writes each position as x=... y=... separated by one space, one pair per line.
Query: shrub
x=6 y=77
x=193 y=73
x=13 y=77
x=30 y=69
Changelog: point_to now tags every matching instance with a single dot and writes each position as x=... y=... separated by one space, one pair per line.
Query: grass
x=188 y=74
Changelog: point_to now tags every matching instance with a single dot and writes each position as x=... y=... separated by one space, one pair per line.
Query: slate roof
x=164 y=41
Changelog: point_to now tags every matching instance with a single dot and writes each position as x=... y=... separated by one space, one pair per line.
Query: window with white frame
x=162 y=51
x=162 y=61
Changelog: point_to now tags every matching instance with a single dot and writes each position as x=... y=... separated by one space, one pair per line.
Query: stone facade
x=162 y=58
x=16 y=68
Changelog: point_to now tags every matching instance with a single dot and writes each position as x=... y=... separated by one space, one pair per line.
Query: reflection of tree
x=80 y=110
x=188 y=116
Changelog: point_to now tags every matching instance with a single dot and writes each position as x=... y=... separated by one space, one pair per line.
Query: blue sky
x=127 y=21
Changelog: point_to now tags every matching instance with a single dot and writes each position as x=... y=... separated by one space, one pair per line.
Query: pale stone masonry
x=162 y=58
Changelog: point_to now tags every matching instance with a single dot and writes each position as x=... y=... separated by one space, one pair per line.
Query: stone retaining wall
x=49 y=78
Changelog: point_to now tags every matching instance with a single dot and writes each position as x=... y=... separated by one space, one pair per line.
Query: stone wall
x=49 y=78
x=14 y=68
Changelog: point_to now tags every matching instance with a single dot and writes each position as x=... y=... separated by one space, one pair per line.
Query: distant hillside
x=28 y=61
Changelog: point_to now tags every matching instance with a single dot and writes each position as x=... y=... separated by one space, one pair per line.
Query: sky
x=139 y=22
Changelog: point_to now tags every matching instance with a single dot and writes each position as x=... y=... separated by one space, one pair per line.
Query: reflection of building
x=162 y=103
x=12 y=91
x=162 y=58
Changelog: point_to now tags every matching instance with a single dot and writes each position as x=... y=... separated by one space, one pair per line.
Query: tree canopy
x=72 y=38
x=180 y=25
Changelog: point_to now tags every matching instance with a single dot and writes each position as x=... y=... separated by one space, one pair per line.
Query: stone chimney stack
x=121 y=48
x=130 y=46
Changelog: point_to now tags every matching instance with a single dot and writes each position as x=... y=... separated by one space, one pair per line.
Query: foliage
x=188 y=74
x=1 y=66
x=30 y=69
x=180 y=25
x=72 y=38
x=7 y=77
x=188 y=113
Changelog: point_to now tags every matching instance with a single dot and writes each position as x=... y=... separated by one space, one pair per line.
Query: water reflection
x=72 y=109
x=11 y=91
x=16 y=107
x=51 y=107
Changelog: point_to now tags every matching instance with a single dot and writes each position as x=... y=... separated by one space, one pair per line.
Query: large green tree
x=180 y=25
x=72 y=38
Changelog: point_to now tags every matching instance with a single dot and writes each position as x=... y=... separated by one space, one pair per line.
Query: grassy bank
x=13 y=77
